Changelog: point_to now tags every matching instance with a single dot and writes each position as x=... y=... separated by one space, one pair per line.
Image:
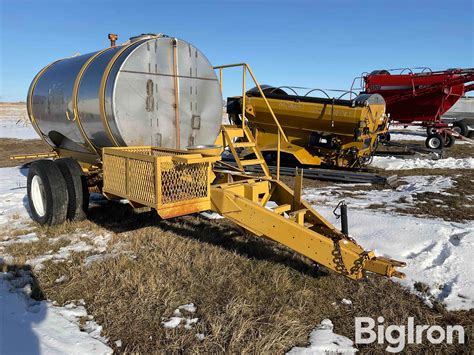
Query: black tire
x=434 y=141
x=47 y=193
x=461 y=128
x=78 y=193
x=430 y=130
x=449 y=140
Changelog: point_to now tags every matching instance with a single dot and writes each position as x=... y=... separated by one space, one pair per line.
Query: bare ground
x=11 y=146
x=252 y=295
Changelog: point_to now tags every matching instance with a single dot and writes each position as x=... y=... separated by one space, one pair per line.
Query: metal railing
x=246 y=69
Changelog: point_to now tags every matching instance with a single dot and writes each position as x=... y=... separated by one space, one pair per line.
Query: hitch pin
x=342 y=216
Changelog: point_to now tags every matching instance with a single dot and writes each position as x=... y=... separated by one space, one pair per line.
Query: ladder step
x=252 y=162
x=244 y=145
x=234 y=132
x=282 y=208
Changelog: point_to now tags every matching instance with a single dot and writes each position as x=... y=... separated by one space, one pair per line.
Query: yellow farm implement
x=320 y=131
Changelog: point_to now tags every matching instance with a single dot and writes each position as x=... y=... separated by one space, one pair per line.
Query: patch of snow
x=31 y=327
x=17 y=127
x=324 y=341
x=60 y=279
x=173 y=322
x=98 y=244
x=190 y=307
x=393 y=163
x=408 y=134
x=438 y=253
x=22 y=239
x=346 y=302
x=390 y=198
x=118 y=343
x=211 y=215
x=13 y=201
x=178 y=318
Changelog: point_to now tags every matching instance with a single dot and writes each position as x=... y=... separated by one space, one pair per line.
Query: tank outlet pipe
x=343 y=216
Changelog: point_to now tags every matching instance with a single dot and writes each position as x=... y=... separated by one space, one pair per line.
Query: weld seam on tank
x=75 y=92
x=103 y=85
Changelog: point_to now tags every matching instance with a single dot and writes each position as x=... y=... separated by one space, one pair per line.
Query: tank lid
x=146 y=36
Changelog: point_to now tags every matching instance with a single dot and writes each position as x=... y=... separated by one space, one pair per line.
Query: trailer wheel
x=78 y=193
x=430 y=130
x=47 y=193
x=461 y=128
x=448 y=140
x=434 y=141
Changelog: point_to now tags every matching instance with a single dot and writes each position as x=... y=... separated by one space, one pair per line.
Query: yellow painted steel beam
x=338 y=254
x=34 y=156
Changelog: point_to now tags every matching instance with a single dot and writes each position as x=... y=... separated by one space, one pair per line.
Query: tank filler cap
x=113 y=39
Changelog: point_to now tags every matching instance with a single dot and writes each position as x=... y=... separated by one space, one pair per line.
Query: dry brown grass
x=251 y=294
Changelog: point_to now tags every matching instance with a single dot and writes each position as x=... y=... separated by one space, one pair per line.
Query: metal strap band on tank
x=176 y=91
x=29 y=102
x=75 y=93
x=103 y=83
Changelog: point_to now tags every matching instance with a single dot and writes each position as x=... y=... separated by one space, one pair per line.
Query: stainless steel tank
x=154 y=90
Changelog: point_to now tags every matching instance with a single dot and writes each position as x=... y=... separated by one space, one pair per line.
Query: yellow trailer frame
x=177 y=183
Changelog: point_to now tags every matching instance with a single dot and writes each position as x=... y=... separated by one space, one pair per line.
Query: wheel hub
x=38 y=195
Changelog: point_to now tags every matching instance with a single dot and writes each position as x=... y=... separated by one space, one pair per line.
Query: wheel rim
x=38 y=196
x=456 y=129
x=434 y=143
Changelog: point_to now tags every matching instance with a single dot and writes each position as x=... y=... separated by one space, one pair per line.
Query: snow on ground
x=324 y=341
x=393 y=163
x=77 y=244
x=14 y=122
x=437 y=253
x=38 y=327
x=392 y=199
x=13 y=201
x=28 y=326
x=411 y=133
x=12 y=128
x=183 y=315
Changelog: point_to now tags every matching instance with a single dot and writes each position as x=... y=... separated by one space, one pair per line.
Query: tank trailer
x=140 y=121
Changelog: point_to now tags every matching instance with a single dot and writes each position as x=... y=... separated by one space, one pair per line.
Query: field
x=129 y=282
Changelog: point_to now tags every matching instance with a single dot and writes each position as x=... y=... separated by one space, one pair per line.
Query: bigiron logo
x=397 y=336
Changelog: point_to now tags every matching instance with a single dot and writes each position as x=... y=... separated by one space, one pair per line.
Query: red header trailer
x=420 y=98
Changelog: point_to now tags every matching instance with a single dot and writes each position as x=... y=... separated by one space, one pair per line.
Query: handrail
x=245 y=69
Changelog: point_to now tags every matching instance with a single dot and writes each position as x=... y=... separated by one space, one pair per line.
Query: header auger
x=163 y=175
